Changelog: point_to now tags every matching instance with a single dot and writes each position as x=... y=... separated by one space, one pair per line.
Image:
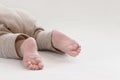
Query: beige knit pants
x=16 y=23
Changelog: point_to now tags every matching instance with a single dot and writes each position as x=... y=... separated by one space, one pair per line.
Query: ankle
x=18 y=44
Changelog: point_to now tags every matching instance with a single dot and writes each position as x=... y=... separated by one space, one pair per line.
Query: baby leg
x=18 y=46
x=31 y=57
x=58 y=42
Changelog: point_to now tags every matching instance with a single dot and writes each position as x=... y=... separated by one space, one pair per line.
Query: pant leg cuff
x=44 y=41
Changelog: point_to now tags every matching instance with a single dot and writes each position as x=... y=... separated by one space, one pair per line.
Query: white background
x=94 y=24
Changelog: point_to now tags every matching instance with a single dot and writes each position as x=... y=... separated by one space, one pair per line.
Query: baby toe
x=38 y=60
x=30 y=66
x=73 y=53
x=78 y=51
x=40 y=66
x=35 y=67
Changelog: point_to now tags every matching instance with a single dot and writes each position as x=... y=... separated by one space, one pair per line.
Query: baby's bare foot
x=65 y=44
x=31 y=57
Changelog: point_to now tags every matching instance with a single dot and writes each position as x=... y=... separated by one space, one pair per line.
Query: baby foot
x=31 y=57
x=65 y=44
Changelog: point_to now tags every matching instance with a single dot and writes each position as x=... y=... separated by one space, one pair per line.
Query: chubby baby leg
x=31 y=57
